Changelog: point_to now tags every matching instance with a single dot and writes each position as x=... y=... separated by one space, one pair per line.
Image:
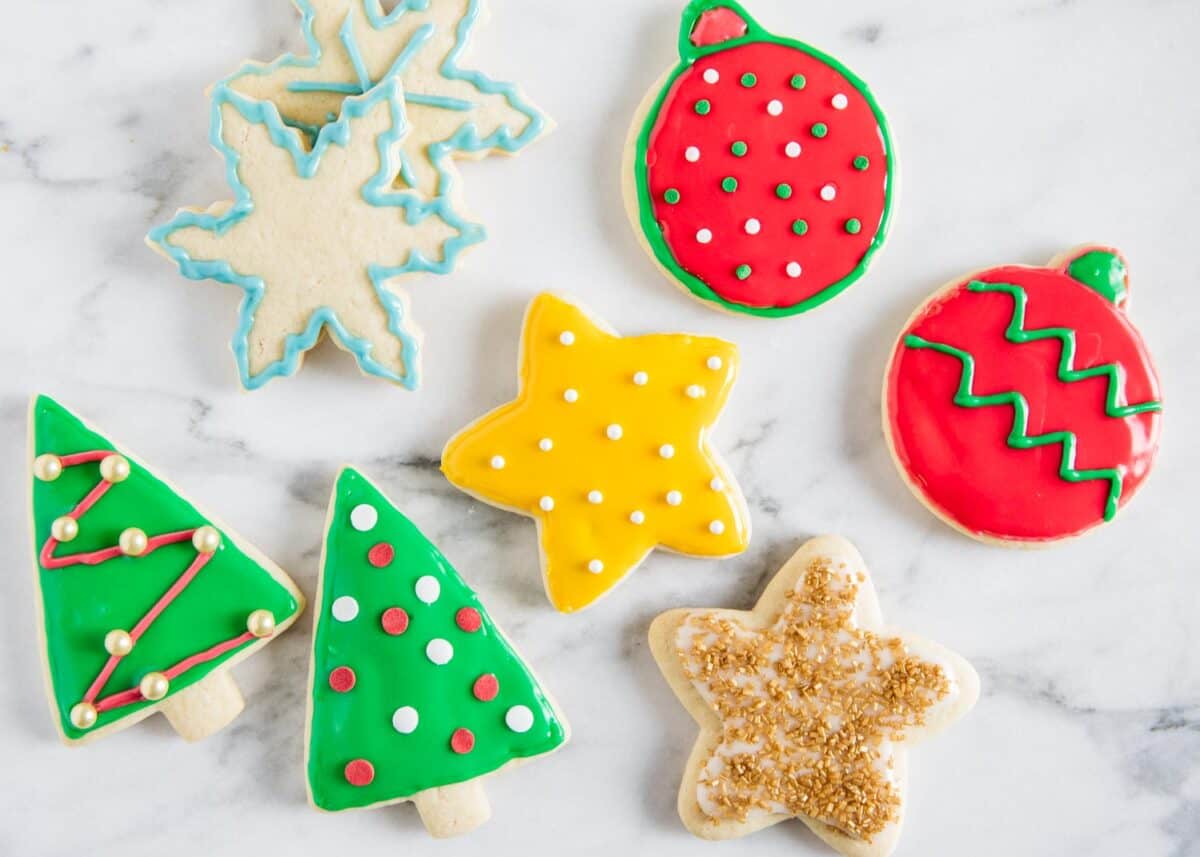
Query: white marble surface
x=1024 y=127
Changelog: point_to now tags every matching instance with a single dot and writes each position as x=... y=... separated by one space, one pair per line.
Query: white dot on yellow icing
x=716 y=527
x=792 y=149
x=566 y=337
x=614 y=432
x=718 y=484
x=571 y=395
x=775 y=107
x=545 y=444
x=497 y=462
x=595 y=497
x=714 y=363
x=695 y=391
x=692 y=154
x=546 y=504
x=840 y=101
x=666 y=451
x=794 y=270
x=637 y=517
x=674 y=498
x=640 y=378
x=595 y=566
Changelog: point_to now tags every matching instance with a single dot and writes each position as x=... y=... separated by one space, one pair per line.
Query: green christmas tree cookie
x=145 y=601
x=414 y=693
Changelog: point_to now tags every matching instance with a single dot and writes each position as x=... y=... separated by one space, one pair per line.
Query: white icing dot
x=595 y=497
x=614 y=432
x=794 y=270
x=666 y=451
x=566 y=338
x=519 y=718
x=545 y=444
x=571 y=395
x=640 y=378
x=692 y=154
x=546 y=504
x=711 y=75
x=404 y=720
x=439 y=651
x=775 y=107
x=716 y=527
x=363 y=517
x=497 y=462
x=674 y=498
x=840 y=101
x=828 y=193
x=595 y=566
x=717 y=484
x=695 y=391
x=714 y=363
x=428 y=589
x=792 y=149
x=345 y=608
x=753 y=226
x=637 y=517
x=704 y=236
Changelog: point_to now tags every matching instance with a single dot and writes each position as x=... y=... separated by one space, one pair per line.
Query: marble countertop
x=1024 y=127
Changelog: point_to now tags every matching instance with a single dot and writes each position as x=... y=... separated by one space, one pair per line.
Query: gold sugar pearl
x=114 y=468
x=83 y=715
x=206 y=539
x=64 y=529
x=47 y=467
x=261 y=623
x=118 y=642
x=154 y=686
x=133 y=542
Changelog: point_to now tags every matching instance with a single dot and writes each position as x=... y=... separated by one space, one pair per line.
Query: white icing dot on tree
x=546 y=504
x=695 y=391
x=794 y=270
x=595 y=566
x=614 y=432
x=840 y=101
x=711 y=75
x=704 y=236
x=775 y=107
x=519 y=718
x=674 y=498
x=640 y=378
x=637 y=517
x=439 y=651
x=405 y=720
x=666 y=451
x=692 y=154
x=428 y=589
x=753 y=226
x=716 y=527
x=345 y=608
x=714 y=363
x=829 y=192
x=595 y=497
x=792 y=149
x=363 y=517
x=497 y=462
x=545 y=444
x=566 y=338
x=717 y=484
x=571 y=395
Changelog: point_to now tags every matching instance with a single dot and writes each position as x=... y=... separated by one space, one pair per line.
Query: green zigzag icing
x=1018 y=437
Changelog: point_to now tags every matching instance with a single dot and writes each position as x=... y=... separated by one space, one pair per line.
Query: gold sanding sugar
x=809 y=705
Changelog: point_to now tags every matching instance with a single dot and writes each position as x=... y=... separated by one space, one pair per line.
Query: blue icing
x=378 y=191
x=467 y=137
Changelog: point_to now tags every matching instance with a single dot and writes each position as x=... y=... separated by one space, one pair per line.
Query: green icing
x=800 y=227
x=820 y=129
x=739 y=148
x=862 y=162
x=749 y=79
x=1103 y=272
x=703 y=106
x=82 y=603
x=743 y=272
x=783 y=190
x=853 y=226
x=393 y=671
x=729 y=184
x=671 y=196
x=799 y=81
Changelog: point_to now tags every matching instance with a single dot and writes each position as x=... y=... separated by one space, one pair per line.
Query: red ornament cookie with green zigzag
x=760 y=177
x=1021 y=404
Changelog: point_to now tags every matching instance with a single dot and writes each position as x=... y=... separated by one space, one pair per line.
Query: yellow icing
x=588 y=547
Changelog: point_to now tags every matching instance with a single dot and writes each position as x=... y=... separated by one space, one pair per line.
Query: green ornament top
x=413 y=687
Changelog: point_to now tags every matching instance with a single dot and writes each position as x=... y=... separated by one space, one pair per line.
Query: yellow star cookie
x=606 y=447
x=806 y=705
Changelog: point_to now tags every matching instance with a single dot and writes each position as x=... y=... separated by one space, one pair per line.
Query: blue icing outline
x=379 y=191
x=466 y=138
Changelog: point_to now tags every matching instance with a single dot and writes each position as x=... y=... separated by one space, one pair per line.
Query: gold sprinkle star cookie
x=806 y=705
x=606 y=447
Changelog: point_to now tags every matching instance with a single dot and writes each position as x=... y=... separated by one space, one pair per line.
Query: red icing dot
x=468 y=619
x=360 y=772
x=381 y=555
x=342 y=679
x=462 y=741
x=486 y=687
x=395 y=620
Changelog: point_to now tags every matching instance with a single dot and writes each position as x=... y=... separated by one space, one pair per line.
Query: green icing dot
x=749 y=79
x=729 y=184
x=739 y=148
x=820 y=129
x=798 y=81
x=703 y=106
x=800 y=227
x=671 y=195
x=854 y=226
x=862 y=162
x=743 y=272
x=783 y=190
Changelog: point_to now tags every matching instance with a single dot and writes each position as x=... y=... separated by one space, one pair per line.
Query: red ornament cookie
x=1021 y=404
x=760 y=177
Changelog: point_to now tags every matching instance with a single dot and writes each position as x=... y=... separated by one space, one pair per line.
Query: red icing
x=486 y=687
x=468 y=619
x=342 y=679
x=717 y=25
x=395 y=620
x=381 y=555
x=827 y=253
x=360 y=772
x=462 y=741
x=958 y=458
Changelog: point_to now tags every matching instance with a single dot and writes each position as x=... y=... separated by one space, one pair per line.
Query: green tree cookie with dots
x=415 y=693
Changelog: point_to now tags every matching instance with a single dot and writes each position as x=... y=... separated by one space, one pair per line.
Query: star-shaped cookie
x=316 y=236
x=806 y=705
x=606 y=447
x=354 y=44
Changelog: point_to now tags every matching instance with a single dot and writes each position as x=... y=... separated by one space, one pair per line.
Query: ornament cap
x=708 y=23
x=1101 y=269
